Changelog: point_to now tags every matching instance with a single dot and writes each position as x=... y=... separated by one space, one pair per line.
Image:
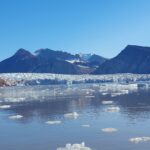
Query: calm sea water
x=44 y=103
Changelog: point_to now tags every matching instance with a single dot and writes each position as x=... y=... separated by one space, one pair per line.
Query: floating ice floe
x=122 y=92
x=87 y=92
x=139 y=139
x=21 y=99
x=104 y=93
x=73 y=115
x=109 y=130
x=74 y=147
x=107 y=102
x=53 y=122
x=89 y=96
x=112 y=109
x=115 y=94
x=16 y=117
x=5 y=106
x=86 y=125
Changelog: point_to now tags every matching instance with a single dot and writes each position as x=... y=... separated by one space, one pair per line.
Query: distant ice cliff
x=21 y=79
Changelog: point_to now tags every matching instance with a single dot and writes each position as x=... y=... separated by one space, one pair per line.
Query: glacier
x=21 y=79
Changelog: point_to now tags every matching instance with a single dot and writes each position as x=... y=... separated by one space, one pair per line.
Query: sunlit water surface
x=40 y=104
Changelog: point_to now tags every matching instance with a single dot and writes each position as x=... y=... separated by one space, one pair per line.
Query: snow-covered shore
x=48 y=78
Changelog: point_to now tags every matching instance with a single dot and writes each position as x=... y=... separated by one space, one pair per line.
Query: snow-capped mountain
x=85 y=57
x=47 y=61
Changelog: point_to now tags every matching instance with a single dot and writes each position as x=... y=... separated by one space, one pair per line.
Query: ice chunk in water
x=107 y=102
x=16 y=117
x=115 y=94
x=89 y=96
x=104 y=93
x=109 y=130
x=139 y=139
x=11 y=99
x=75 y=147
x=73 y=115
x=86 y=125
x=53 y=122
x=112 y=109
x=5 y=106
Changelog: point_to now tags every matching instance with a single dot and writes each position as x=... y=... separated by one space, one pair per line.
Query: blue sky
x=103 y=27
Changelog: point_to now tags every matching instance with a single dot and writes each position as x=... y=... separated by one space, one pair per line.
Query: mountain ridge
x=47 y=61
x=132 y=59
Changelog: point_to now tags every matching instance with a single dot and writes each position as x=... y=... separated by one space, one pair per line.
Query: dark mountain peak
x=133 y=51
x=96 y=59
x=97 y=56
x=47 y=61
x=22 y=52
x=49 y=54
x=133 y=59
x=137 y=48
x=47 y=51
x=132 y=46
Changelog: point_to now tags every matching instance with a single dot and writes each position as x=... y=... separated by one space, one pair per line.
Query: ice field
x=109 y=114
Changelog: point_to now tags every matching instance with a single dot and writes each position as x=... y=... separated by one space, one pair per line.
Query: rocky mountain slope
x=133 y=59
x=48 y=61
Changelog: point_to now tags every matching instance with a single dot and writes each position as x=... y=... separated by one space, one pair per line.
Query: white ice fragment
x=87 y=92
x=74 y=147
x=112 y=109
x=139 y=139
x=73 y=115
x=121 y=92
x=109 y=130
x=86 y=125
x=21 y=99
x=53 y=122
x=125 y=91
x=107 y=102
x=16 y=117
x=5 y=106
x=37 y=81
x=104 y=94
x=115 y=94
x=89 y=96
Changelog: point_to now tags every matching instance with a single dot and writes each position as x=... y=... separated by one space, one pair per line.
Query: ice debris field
x=112 y=85
x=75 y=147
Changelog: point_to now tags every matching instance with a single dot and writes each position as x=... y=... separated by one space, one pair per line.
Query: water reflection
x=40 y=104
x=51 y=101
